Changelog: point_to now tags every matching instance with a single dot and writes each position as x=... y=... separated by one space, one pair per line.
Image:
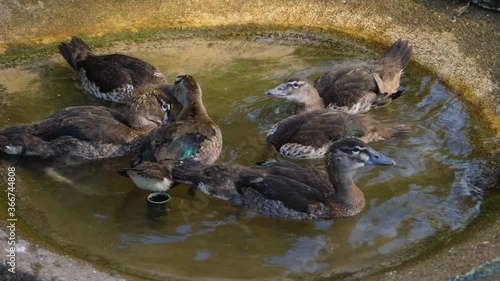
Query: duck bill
x=169 y=117
x=377 y=158
x=277 y=92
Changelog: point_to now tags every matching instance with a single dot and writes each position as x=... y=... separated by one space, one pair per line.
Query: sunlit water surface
x=100 y=215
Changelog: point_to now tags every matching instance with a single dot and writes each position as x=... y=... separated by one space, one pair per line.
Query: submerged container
x=158 y=204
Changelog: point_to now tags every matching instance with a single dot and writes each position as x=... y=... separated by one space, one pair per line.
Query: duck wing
x=306 y=174
x=213 y=180
x=140 y=71
x=107 y=75
x=348 y=87
x=315 y=128
x=293 y=194
x=86 y=123
x=356 y=87
x=297 y=187
x=109 y=72
x=308 y=135
x=389 y=68
x=177 y=140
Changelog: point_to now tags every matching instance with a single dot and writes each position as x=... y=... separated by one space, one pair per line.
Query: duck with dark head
x=90 y=132
x=111 y=77
x=193 y=135
x=283 y=189
x=353 y=87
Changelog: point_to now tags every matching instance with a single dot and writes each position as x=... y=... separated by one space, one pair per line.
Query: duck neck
x=347 y=198
x=312 y=102
x=139 y=122
x=342 y=181
x=168 y=90
x=193 y=110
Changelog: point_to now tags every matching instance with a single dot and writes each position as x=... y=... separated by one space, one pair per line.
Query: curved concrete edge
x=461 y=46
x=38 y=263
x=475 y=257
x=486 y=270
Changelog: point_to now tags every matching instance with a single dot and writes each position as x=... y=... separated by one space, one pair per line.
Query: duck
x=82 y=133
x=308 y=135
x=352 y=87
x=193 y=135
x=111 y=77
x=283 y=189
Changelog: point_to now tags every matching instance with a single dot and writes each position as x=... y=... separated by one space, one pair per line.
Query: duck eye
x=295 y=85
x=355 y=150
x=178 y=79
x=165 y=106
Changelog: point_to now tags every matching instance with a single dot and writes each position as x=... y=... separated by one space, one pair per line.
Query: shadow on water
x=430 y=194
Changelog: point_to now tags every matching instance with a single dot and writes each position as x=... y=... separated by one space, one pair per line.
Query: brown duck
x=111 y=77
x=193 y=135
x=284 y=189
x=353 y=87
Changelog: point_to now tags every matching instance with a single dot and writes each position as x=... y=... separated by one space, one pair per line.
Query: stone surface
x=455 y=259
x=38 y=263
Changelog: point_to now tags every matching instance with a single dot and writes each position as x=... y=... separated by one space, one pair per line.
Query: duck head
x=169 y=91
x=148 y=107
x=187 y=90
x=346 y=155
x=296 y=89
x=188 y=93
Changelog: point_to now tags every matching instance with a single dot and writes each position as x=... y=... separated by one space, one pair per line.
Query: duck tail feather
x=74 y=51
x=397 y=94
x=20 y=141
x=401 y=51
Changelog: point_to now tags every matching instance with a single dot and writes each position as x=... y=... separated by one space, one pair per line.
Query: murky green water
x=101 y=216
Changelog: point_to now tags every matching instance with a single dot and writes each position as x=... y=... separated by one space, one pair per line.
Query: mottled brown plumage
x=193 y=135
x=183 y=139
x=309 y=134
x=378 y=82
x=111 y=77
x=353 y=87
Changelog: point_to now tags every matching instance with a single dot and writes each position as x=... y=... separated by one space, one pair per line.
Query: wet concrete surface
x=463 y=258
x=35 y=261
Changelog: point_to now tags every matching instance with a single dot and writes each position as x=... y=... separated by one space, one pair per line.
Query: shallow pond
x=99 y=215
